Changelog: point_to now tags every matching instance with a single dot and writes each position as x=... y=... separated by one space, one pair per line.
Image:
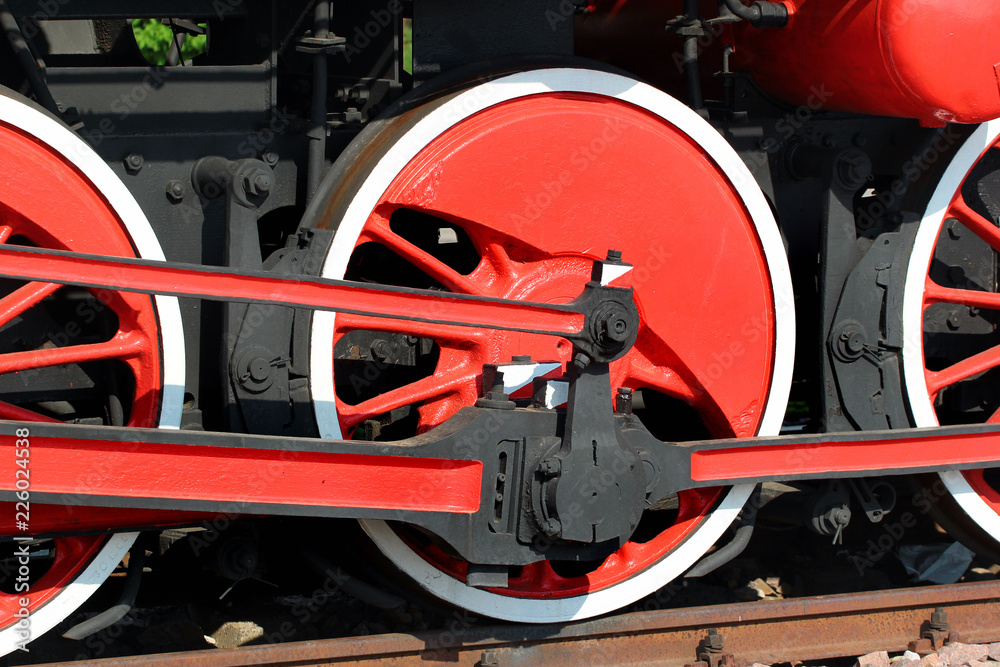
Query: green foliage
x=408 y=46
x=153 y=38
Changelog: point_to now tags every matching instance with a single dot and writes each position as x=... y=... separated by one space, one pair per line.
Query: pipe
x=136 y=559
x=317 y=115
x=691 y=76
x=760 y=14
x=353 y=586
x=716 y=559
x=176 y=46
x=28 y=63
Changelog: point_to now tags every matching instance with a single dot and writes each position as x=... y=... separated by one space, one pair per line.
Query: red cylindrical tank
x=934 y=60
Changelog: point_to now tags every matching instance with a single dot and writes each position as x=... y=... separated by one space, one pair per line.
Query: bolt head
x=855 y=343
x=714 y=641
x=175 y=190
x=380 y=349
x=259 y=369
x=552 y=527
x=614 y=329
x=854 y=168
x=133 y=162
x=550 y=467
x=262 y=183
x=842 y=516
x=256 y=182
x=954 y=230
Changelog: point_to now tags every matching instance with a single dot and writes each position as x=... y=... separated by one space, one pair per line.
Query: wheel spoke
x=496 y=267
x=433 y=386
x=664 y=380
x=934 y=293
x=974 y=365
x=24 y=298
x=122 y=346
x=423 y=260
x=17 y=413
x=979 y=225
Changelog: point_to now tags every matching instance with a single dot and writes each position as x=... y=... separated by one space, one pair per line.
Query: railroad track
x=767 y=632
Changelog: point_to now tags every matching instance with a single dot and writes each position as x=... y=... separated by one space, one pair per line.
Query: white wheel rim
x=913 y=314
x=432 y=125
x=83 y=157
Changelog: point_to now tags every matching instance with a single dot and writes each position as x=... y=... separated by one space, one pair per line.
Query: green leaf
x=153 y=38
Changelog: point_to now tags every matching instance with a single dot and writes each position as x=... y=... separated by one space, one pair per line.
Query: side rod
x=221 y=284
x=437 y=472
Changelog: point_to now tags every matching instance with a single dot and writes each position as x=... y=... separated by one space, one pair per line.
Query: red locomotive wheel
x=511 y=188
x=942 y=287
x=72 y=354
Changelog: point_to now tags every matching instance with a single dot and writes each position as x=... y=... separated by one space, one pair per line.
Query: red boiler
x=934 y=60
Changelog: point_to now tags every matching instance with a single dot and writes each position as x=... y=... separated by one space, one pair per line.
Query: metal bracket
x=877 y=499
x=865 y=345
x=711 y=652
x=269 y=364
x=936 y=635
x=591 y=490
x=246 y=185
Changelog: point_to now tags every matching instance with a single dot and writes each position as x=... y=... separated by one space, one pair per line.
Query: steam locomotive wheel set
x=531 y=321
x=469 y=158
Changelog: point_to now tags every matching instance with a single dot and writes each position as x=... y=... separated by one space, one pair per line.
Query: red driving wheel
x=68 y=354
x=511 y=188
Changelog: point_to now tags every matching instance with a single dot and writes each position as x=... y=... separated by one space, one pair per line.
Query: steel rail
x=767 y=632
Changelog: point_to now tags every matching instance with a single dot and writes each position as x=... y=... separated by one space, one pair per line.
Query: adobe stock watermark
x=22 y=582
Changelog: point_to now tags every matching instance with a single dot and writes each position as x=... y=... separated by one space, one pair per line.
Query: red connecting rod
x=220 y=284
x=189 y=471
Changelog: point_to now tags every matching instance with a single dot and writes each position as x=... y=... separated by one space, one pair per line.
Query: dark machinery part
x=759 y=14
x=107 y=618
x=269 y=363
x=245 y=184
x=876 y=499
x=321 y=44
x=592 y=489
x=26 y=59
x=743 y=531
x=353 y=586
